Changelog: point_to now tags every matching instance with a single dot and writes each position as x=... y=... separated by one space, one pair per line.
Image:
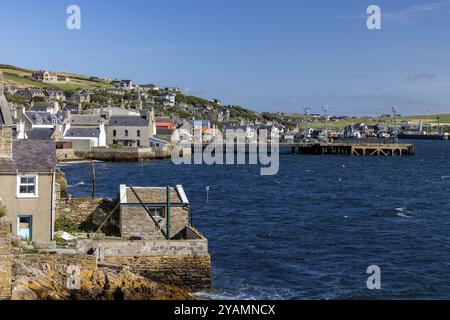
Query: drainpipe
x=168 y=213
x=53 y=204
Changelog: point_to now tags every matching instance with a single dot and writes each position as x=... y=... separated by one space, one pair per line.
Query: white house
x=95 y=135
x=85 y=129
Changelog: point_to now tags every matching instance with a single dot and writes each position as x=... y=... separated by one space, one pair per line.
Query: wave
x=247 y=292
x=401 y=212
x=81 y=183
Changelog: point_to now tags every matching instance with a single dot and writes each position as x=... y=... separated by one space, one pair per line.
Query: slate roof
x=39 y=108
x=39 y=133
x=127 y=121
x=46 y=117
x=83 y=132
x=86 y=120
x=71 y=107
x=152 y=195
x=30 y=156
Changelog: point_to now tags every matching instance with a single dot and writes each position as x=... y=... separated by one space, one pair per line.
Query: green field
x=444 y=119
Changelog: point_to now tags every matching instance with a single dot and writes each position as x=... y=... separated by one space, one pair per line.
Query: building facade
x=129 y=131
x=27 y=184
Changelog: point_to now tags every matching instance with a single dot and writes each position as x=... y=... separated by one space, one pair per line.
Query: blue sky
x=264 y=55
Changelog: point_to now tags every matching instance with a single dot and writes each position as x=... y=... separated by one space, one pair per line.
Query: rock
x=46 y=283
x=21 y=292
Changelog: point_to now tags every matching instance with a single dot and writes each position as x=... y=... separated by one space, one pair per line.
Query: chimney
x=20 y=129
x=67 y=115
x=150 y=116
x=56 y=107
x=5 y=129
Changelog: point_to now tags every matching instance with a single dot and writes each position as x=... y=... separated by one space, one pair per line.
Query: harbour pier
x=352 y=149
x=325 y=148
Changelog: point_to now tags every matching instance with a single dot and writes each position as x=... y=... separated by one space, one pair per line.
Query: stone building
x=44 y=76
x=129 y=131
x=148 y=214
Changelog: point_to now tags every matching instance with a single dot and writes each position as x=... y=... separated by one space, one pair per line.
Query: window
x=27 y=186
x=126 y=133
x=114 y=133
x=157 y=213
x=139 y=133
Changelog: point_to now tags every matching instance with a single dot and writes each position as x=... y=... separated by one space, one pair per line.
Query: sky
x=264 y=55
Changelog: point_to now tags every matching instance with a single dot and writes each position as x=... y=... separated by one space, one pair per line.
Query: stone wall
x=5 y=142
x=89 y=213
x=5 y=262
x=135 y=222
x=118 y=248
x=123 y=155
x=193 y=272
x=184 y=263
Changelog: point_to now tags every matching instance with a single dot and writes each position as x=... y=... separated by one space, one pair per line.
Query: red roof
x=168 y=125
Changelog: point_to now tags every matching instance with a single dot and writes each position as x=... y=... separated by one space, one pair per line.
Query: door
x=25 y=227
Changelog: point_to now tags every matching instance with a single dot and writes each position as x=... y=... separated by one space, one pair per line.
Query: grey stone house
x=149 y=214
x=129 y=131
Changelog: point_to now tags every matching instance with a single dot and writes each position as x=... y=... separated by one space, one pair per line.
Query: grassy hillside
x=21 y=78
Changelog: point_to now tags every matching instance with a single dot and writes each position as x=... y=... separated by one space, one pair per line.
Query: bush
x=65 y=224
x=2 y=210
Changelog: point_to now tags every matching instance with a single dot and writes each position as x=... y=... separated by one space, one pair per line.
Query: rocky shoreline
x=49 y=283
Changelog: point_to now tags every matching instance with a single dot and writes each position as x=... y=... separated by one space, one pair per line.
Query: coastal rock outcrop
x=47 y=281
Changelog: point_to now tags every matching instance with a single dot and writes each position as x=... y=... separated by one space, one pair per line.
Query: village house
x=201 y=125
x=42 y=108
x=223 y=115
x=79 y=98
x=72 y=108
x=129 y=131
x=126 y=84
x=118 y=91
x=153 y=213
x=29 y=94
x=33 y=119
x=27 y=183
x=168 y=98
x=174 y=90
x=150 y=87
x=158 y=144
x=85 y=131
x=54 y=95
x=42 y=134
x=249 y=131
x=167 y=125
x=44 y=76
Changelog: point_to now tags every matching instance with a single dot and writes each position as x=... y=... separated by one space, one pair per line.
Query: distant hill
x=21 y=78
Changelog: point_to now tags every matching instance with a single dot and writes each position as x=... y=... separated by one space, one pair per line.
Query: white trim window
x=27 y=186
